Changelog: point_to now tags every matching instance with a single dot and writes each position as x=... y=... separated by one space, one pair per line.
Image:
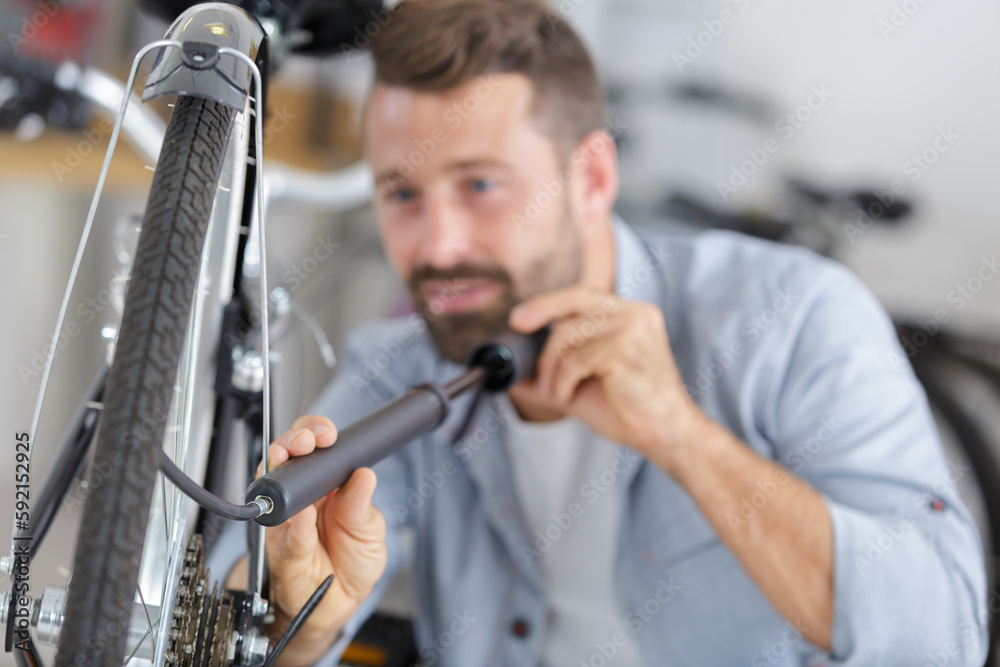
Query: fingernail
x=320 y=429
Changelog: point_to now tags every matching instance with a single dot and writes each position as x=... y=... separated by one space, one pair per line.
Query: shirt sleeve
x=849 y=416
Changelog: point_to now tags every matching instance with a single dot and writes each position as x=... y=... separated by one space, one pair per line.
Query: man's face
x=473 y=205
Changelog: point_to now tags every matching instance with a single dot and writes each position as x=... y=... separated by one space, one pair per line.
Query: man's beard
x=457 y=334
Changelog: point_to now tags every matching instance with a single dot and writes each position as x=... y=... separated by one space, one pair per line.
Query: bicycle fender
x=198 y=69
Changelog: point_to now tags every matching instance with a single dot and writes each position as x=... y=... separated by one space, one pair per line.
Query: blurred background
x=820 y=123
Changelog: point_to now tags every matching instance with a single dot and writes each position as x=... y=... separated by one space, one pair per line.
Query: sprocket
x=202 y=628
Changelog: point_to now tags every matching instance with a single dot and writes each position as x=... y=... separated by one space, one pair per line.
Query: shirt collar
x=638 y=267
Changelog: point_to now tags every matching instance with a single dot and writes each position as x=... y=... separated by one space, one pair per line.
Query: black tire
x=976 y=446
x=140 y=386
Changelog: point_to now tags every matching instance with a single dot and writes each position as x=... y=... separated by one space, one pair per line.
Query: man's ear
x=594 y=164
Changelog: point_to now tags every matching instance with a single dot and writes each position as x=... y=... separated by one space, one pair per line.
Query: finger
x=547 y=366
x=351 y=507
x=324 y=429
x=579 y=365
x=355 y=533
x=589 y=398
x=295 y=540
x=276 y=455
x=538 y=311
x=548 y=359
x=307 y=433
x=529 y=392
x=565 y=339
x=300 y=442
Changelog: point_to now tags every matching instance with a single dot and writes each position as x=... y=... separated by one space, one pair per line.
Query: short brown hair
x=435 y=45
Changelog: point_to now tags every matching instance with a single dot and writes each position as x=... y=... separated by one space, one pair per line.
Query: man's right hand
x=341 y=534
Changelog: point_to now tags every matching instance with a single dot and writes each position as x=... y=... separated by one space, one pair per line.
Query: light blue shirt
x=793 y=355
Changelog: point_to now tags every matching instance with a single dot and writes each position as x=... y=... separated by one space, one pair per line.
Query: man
x=723 y=458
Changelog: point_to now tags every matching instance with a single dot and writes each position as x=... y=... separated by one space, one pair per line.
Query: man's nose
x=448 y=238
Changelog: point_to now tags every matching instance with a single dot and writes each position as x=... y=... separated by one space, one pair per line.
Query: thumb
x=351 y=506
x=354 y=535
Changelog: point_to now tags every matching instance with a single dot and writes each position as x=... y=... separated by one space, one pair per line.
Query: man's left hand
x=607 y=362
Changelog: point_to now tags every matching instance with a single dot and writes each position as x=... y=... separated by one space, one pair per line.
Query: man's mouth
x=453 y=296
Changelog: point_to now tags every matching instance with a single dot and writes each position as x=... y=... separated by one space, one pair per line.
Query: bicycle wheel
x=969 y=445
x=141 y=384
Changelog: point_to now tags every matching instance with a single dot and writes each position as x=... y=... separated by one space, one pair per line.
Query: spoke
x=149 y=622
x=136 y=649
x=166 y=508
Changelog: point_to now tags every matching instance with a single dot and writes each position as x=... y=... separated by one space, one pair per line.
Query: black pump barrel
x=305 y=479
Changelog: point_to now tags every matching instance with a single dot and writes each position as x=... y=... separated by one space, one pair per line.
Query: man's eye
x=480 y=185
x=401 y=195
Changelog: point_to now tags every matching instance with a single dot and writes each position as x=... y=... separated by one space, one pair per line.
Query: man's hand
x=342 y=534
x=608 y=363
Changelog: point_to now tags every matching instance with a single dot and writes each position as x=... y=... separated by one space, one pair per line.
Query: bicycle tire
x=986 y=472
x=141 y=382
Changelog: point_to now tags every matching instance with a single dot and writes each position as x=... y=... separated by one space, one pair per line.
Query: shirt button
x=519 y=628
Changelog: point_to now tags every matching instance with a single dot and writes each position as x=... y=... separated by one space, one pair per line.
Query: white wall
x=892 y=90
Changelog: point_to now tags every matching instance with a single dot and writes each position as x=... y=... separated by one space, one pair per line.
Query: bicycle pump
x=493 y=366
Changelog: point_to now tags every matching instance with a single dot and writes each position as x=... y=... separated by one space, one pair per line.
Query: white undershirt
x=553 y=464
